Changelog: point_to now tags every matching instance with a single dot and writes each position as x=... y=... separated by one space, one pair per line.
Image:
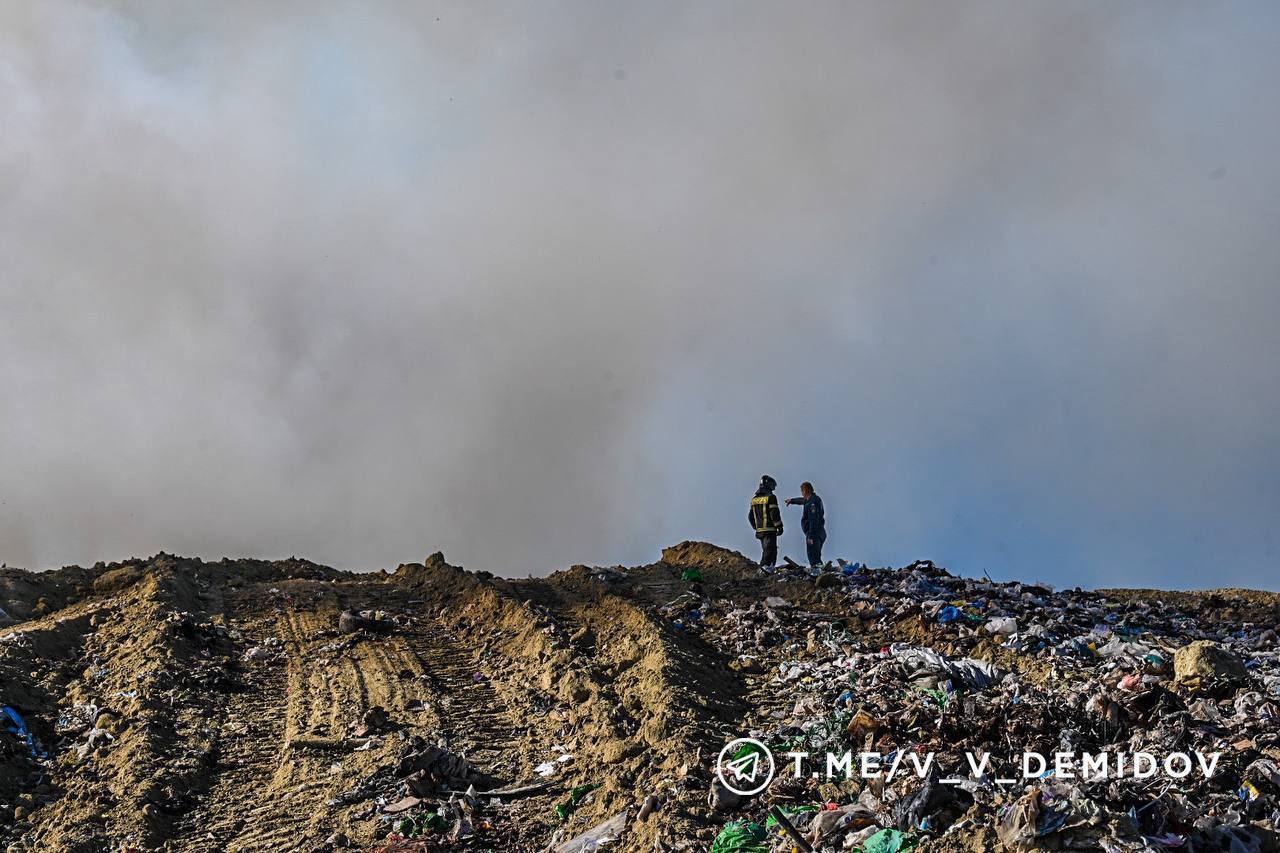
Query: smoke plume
x=556 y=283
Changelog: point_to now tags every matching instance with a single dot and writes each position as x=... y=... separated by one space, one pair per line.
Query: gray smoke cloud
x=556 y=283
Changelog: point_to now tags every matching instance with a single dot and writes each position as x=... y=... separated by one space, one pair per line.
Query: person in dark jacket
x=765 y=518
x=813 y=522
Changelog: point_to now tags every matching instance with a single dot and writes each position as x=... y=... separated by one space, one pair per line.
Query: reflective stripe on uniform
x=762 y=525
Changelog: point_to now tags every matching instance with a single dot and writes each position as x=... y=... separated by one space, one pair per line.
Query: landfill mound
x=174 y=704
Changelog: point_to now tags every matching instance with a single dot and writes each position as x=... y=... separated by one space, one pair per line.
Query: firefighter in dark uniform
x=813 y=522
x=765 y=518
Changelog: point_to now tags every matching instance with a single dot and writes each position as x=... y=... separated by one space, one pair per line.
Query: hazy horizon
x=556 y=284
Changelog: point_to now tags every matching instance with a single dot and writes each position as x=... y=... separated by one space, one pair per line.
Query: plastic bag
x=889 y=840
x=741 y=837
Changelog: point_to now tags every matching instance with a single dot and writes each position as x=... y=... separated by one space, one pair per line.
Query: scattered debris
x=173 y=703
x=372 y=621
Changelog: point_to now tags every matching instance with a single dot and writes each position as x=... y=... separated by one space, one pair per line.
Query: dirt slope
x=195 y=746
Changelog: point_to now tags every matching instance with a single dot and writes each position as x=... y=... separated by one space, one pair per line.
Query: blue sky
x=556 y=284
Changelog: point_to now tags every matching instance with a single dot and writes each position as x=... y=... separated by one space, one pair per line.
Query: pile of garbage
x=986 y=713
x=693 y=704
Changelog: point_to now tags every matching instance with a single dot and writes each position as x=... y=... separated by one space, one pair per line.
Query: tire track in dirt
x=626 y=656
x=251 y=758
x=269 y=797
x=357 y=678
x=384 y=676
x=471 y=714
x=286 y=789
x=302 y=706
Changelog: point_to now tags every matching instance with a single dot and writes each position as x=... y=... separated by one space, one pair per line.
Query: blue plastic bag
x=15 y=725
x=949 y=614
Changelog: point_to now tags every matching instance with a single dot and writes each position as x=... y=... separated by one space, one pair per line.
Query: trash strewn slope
x=173 y=704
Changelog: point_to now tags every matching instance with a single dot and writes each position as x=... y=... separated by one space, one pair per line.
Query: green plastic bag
x=741 y=837
x=433 y=822
x=575 y=796
x=747 y=749
x=889 y=841
x=691 y=575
